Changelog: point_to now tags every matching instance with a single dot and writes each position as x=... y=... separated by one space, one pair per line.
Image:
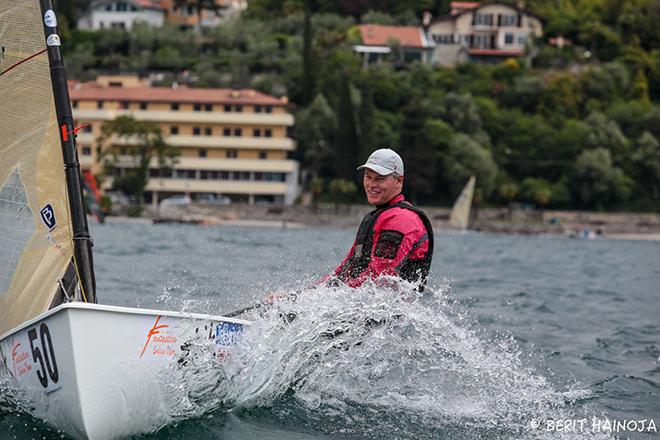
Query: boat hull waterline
x=95 y=371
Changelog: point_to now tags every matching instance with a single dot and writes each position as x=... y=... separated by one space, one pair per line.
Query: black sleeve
x=388 y=244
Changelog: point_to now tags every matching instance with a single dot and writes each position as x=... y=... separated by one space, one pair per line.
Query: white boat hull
x=95 y=372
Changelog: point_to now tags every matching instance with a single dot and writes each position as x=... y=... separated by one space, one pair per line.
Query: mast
x=82 y=241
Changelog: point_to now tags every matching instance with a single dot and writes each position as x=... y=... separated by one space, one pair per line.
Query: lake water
x=516 y=336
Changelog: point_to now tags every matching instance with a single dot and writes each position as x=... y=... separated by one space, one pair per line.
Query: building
x=232 y=142
x=403 y=43
x=122 y=14
x=483 y=32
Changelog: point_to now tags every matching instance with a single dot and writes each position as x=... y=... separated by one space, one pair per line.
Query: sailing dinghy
x=90 y=370
x=459 y=217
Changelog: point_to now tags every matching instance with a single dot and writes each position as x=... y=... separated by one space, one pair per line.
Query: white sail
x=460 y=212
x=35 y=229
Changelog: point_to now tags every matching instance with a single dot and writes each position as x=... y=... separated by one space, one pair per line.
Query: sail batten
x=32 y=177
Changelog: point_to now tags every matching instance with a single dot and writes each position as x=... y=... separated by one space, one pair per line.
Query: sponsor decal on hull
x=159 y=342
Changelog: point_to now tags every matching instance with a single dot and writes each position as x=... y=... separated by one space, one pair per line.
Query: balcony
x=194 y=163
x=231 y=142
x=217 y=186
x=276 y=119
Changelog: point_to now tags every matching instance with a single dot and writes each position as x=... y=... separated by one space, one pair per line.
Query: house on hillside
x=122 y=14
x=403 y=43
x=488 y=32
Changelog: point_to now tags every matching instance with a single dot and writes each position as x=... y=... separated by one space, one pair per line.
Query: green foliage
x=133 y=145
x=526 y=124
x=596 y=182
x=465 y=158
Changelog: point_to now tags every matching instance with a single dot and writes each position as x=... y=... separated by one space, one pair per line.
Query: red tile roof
x=166 y=94
x=458 y=7
x=379 y=35
x=497 y=52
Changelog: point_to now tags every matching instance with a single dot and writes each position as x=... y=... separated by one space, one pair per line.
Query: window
x=238 y=108
x=122 y=6
x=208 y=107
x=226 y=132
x=207 y=131
x=522 y=39
x=268 y=132
x=202 y=152
x=232 y=154
x=508 y=20
x=223 y=175
x=258 y=176
x=197 y=131
x=238 y=132
x=269 y=109
x=508 y=38
x=123 y=105
x=257 y=109
x=263 y=155
x=197 y=107
x=174 y=129
x=87 y=128
x=483 y=20
x=143 y=106
x=203 y=174
x=75 y=104
x=99 y=105
x=256 y=132
x=86 y=151
x=227 y=107
x=174 y=106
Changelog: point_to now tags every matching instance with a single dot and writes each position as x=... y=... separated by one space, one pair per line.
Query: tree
x=647 y=159
x=596 y=183
x=466 y=158
x=537 y=191
x=605 y=133
x=133 y=145
x=315 y=132
x=341 y=191
x=347 y=146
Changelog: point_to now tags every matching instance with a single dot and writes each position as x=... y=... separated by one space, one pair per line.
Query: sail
x=35 y=229
x=460 y=212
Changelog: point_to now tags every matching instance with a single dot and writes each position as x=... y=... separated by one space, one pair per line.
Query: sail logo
x=48 y=216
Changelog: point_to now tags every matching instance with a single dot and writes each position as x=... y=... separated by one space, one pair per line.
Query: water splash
x=380 y=361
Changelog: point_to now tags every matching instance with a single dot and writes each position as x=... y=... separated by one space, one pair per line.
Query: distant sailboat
x=460 y=212
x=90 y=370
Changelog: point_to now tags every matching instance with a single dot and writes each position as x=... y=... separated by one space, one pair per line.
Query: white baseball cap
x=384 y=161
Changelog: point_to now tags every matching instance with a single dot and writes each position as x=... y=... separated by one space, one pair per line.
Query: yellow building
x=232 y=142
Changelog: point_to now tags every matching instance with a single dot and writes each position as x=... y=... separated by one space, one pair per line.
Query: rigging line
x=22 y=61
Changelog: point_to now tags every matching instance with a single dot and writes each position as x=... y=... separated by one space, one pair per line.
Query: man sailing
x=394 y=239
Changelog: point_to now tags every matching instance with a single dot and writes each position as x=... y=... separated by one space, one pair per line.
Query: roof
x=497 y=52
x=167 y=94
x=145 y=4
x=379 y=35
x=469 y=7
x=457 y=7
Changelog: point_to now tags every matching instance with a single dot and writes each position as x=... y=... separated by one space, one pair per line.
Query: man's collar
x=392 y=201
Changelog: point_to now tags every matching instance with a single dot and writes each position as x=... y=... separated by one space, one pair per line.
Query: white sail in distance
x=460 y=212
x=35 y=228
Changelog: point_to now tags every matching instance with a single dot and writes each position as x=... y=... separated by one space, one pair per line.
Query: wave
x=381 y=361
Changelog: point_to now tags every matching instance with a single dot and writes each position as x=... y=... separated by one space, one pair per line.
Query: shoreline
x=580 y=224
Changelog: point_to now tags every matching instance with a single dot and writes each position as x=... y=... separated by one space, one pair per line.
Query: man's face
x=381 y=189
